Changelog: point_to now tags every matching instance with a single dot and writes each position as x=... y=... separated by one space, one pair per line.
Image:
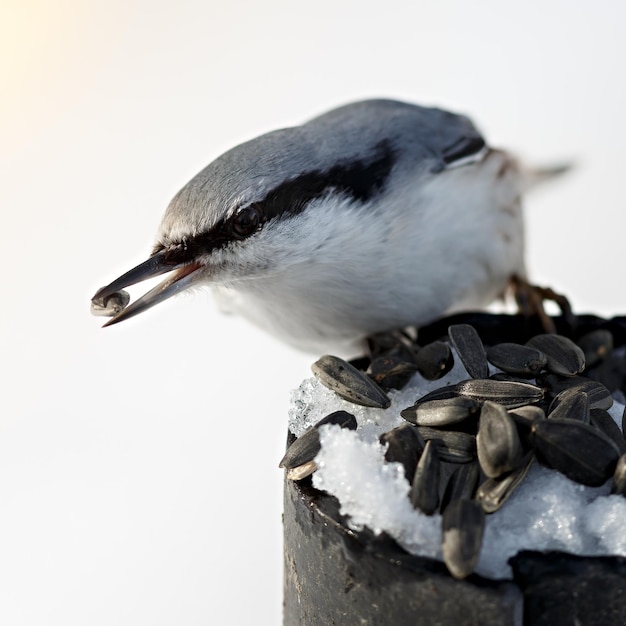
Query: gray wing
x=353 y=148
x=439 y=137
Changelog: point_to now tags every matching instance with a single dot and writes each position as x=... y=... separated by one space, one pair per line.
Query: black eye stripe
x=359 y=179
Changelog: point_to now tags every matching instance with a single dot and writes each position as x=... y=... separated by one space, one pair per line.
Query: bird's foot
x=530 y=299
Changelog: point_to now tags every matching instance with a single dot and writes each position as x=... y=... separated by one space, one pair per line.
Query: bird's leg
x=530 y=299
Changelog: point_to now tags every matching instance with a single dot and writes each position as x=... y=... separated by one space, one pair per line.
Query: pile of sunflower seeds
x=466 y=447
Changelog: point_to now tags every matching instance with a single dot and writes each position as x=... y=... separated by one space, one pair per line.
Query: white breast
x=435 y=244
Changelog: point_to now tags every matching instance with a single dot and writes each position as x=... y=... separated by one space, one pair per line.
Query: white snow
x=547 y=512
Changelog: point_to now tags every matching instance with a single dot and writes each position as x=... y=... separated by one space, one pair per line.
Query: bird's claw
x=530 y=299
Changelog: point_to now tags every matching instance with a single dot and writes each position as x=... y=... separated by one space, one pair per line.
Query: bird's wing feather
x=440 y=138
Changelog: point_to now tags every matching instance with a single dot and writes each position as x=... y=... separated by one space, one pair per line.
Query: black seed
x=554 y=383
x=516 y=359
x=462 y=524
x=599 y=396
x=441 y=412
x=596 y=345
x=508 y=377
x=438 y=394
x=570 y=404
x=405 y=446
x=390 y=372
x=306 y=447
x=564 y=357
x=434 y=360
x=425 y=487
x=494 y=492
x=461 y=484
x=527 y=414
x=603 y=421
x=580 y=451
x=509 y=394
x=347 y=382
x=498 y=445
x=470 y=349
x=524 y=417
x=452 y=446
x=394 y=343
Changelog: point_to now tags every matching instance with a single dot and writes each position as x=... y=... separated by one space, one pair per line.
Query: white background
x=138 y=464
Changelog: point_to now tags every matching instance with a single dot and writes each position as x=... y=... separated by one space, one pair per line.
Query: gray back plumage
x=419 y=138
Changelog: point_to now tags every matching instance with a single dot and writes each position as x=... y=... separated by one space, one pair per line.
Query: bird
x=376 y=215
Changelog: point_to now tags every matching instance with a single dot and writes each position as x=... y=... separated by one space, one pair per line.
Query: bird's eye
x=246 y=222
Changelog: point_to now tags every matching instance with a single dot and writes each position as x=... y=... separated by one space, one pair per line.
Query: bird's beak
x=182 y=276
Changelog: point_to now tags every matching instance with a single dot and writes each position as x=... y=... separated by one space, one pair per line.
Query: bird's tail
x=533 y=176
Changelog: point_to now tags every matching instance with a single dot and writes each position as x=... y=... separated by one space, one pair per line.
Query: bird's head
x=252 y=212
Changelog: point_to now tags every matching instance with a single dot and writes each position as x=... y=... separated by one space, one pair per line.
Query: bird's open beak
x=181 y=277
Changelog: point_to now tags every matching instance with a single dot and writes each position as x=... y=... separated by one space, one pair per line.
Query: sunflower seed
x=508 y=393
x=393 y=343
x=596 y=345
x=441 y=412
x=347 y=382
x=301 y=471
x=425 y=487
x=494 y=492
x=618 y=485
x=434 y=360
x=524 y=417
x=516 y=359
x=564 y=357
x=391 y=372
x=470 y=349
x=497 y=442
x=452 y=446
x=580 y=451
x=463 y=525
x=404 y=445
x=111 y=305
x=437 y=394
x=570 y=404
x=508 y=377
x=306 y=447
x=461 y=484
x=599 y=396
x=554 y=383
x=527 y=414
x=603 y=421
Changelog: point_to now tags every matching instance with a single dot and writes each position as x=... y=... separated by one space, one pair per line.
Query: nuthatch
x=376 y=215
